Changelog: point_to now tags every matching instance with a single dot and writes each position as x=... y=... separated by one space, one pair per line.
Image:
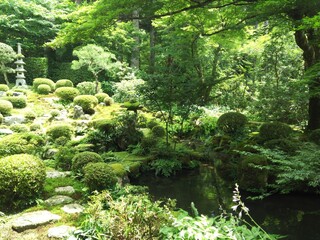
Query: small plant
x=108 y=101
x=30 y=115
x=21 y=181
x=232 y=123
x=166 y=167
x=5 y=107
x=64 y=83
x=80 y=160
x=99 y=176
x=59 y=130
x=64 y=158
x=4 y=87
x=101 y=96
x=39 y=81
x=19 y=128
x=67 y=93
x=35 y=127
x=44 y=89
x=87 y=102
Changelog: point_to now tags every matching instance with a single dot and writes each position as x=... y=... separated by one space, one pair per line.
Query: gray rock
x=4 y=131
x=16 y=94
x=65 y=190
x=33 y=220
x=57 y=174
x=60 y=232
x=9 y=120
x=51 y=152
x=73 y=208
x=58 y=200
x=2 y=94
x=77 y=112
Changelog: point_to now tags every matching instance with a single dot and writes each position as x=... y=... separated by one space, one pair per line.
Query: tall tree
x=7 y=55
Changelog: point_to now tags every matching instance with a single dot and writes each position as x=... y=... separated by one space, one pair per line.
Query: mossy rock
x=119 y=169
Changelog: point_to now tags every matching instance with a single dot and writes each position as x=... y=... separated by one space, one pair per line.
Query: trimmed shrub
x=314 y=136
x=252 y=175
x=17 y=102
x=232 y=123
x=87 y=88
x=54 y=113
x=59 y=130
x=99 y=176
x=19 y=128
x=274 y=130
x=37 y=67
x=80 y=160
x=64 y=158
x=118 y=169
x=108 y=101
x=87 y=102
x=132 y=106
x=101 y=96
x=5 y=107
x=47 y=81
x=44 y=89
x=152 y=123
x=64 y=83
x=20 y=143
x=158 y=131
x=104 y=125
x=4 y=87
x=22 y=177
x=67 y=93
x=35 y=127
x=30 y=115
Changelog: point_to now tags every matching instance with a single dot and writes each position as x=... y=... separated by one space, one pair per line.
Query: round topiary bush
x=158 y=131
x=44 y=89
x=64 y=83
x=35 y=127
x=101 y=96
x=67 y=93
x=22 y=178
x=119 y=169
x=104 y=125
x=64 y=158
x=19 y=128
x=60 y=130
x=152 y=123
x=108 y=101
x=87 y=102
x=87 y=88
x=80 y=160
x=99 y=176
x=274 y=130
x=4 y=87
x=47 y=81
x=232 y=123
x=17 y=102
x=30 y=115
x=5 y=107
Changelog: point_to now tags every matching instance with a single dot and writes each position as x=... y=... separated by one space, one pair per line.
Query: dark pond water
x=297 y=216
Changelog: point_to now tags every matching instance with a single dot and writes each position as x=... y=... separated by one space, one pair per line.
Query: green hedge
x=17 y=102
x=36 y=67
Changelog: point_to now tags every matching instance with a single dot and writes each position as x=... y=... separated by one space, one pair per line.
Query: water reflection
x=297 y=216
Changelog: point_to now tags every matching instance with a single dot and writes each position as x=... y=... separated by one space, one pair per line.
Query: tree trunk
x=6 y=78
x=152 y=57
x=135 y=56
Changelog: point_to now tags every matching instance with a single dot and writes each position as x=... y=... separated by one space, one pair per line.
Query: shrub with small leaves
x=54 y=113
x=44 y=89
x=101 y=96
x=87 y=88
x=64 y=158
x=274 y=130
x=47 y=81
x=232 y=123
x=30 y=115
x=158 y=131
x=35 y=127
x=17 y=102
x=4 y=87
x=108 y=101
x=59 y=130
x=5 y=107
x=64 y=83
x=166 y=167
x=99 y=176
x=80 y=160
x=19 y=128
x=67 y=93
x=87 y=102
x=22 y=178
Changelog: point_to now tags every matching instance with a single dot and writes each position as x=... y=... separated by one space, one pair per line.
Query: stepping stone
x=61 y=232
x=65 y=190
x=58 y=200
x=57 y=174
x=33 y=220
x=73 y=208
x=4 y=131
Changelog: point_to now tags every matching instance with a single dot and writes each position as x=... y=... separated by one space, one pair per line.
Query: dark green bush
x=158 y=131
x=4 y=87
x=44 y=89
x=87 y=102
x=5 y=107
x=64 y=158
x=22 y=178
x=36 y=67
x=285 y=145
x=152 y=123
x=17 y=102
x=252 y=172
x=67 y=93
x=59 y=130
x=80 y=160
x=166 y=167
x=101 y=96
x=314 y=136
x=232 y=123
x=47 y=81
x=274 y=130
x=21 y=143
x=99 y=176
x=64 y=83
x=104 y=125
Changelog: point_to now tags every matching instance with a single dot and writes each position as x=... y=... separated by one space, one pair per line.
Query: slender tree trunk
x=135 y=57
x=152 y=57
x=6 y=78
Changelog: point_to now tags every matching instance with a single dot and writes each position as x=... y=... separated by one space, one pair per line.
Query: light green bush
x=101 y=96
x=17 y=102
x=59 y=130
x=99 y=176
x=47 y=81
x=118 y=169
x=87 y=88
x=5 y=107
x=80 y=160
x=4 y=87
x=44 y=89
x=158 y=131
x=22 y=178
x=67 y=93
x=35 y=127
x=19 y=128
x=30 y=115
x=108 y=101
x=87 y=102
x=64 y=83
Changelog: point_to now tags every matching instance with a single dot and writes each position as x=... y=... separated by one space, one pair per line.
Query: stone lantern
x=20 y=78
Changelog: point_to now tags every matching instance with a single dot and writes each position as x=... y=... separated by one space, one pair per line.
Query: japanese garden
x=157 y=119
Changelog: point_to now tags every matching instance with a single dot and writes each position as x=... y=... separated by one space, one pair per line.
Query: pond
x=294 y=215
